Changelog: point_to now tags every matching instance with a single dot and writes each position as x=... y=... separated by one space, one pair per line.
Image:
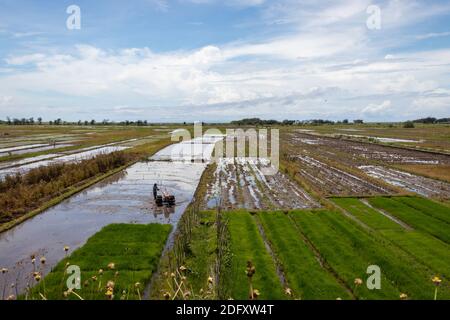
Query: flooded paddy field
x=21 y=142
x=241 y=183
x=338 y=167
x=358 y=153
x=125 y=197
x=421 y=185
x=79 y=156
x=35 y=148
x=330 y=180
x=430 y=137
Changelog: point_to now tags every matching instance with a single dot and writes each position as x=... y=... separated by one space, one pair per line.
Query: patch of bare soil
x=241 y=183
x=359 y=153
x=329 y=180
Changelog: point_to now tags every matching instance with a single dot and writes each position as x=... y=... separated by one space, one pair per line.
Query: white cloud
x=5 y=100
x=325 y=64
x=433 y=35
x=377 y=108
x=25 y=59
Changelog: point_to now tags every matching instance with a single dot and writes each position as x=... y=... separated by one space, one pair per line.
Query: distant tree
x=288 y=122
x=358 y=121
x=443 y=120
x=39 y=120
x=345 y=121
x=408 y=125
x=8 y=120
x=92 y=122
x=428 y=120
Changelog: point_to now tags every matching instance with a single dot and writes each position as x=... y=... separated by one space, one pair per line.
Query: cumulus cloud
x=5 y=100
x=325 y=65
x=377 y=108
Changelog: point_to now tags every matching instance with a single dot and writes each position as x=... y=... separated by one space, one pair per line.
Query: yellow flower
x=100 y=271
x=109 y=293
x=110 y=284
x=137 y=285
x=37 y=276
x=183 y=268
x=358 y=281
x=256 y=293
x=210 y=280
x=339 y=298
x=94 y=278
x=288 y=291
x=403 y=296
x=66 y=248
x=172 y=275
x=33 y=260
x=11 y=297
x=167 y=296
x=436 y=280
x=43 y=260
x=4 y=270
x=111 y=266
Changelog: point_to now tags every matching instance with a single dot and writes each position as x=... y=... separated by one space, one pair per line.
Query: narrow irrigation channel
x=125 y=197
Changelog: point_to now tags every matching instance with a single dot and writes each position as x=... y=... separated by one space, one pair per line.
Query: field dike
x=71 y=191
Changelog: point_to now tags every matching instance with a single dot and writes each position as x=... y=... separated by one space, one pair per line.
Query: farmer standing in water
x=155 y=190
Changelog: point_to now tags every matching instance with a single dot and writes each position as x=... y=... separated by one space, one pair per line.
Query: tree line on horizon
x=242 y=122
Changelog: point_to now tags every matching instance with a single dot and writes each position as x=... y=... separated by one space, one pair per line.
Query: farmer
x=155 y=190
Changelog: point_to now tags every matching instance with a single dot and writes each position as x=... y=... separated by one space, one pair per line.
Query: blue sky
x=211 y=60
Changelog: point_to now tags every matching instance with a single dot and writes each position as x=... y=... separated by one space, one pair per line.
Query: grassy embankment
x=121 y=259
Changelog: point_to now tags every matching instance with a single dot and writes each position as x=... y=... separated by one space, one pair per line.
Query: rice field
x=337 y=207
x=117 y=263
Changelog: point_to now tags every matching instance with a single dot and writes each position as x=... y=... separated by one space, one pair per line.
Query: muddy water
x=23 y=169
x=28 y=149
x=123 y=198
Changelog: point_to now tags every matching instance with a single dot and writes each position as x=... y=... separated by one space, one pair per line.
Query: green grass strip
x=306 y=277
x=369 y=216
x=427 y=249
x=428 y=207
x=414 y=217
x=247 y=245
x=135 y=251
x=350 y=249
